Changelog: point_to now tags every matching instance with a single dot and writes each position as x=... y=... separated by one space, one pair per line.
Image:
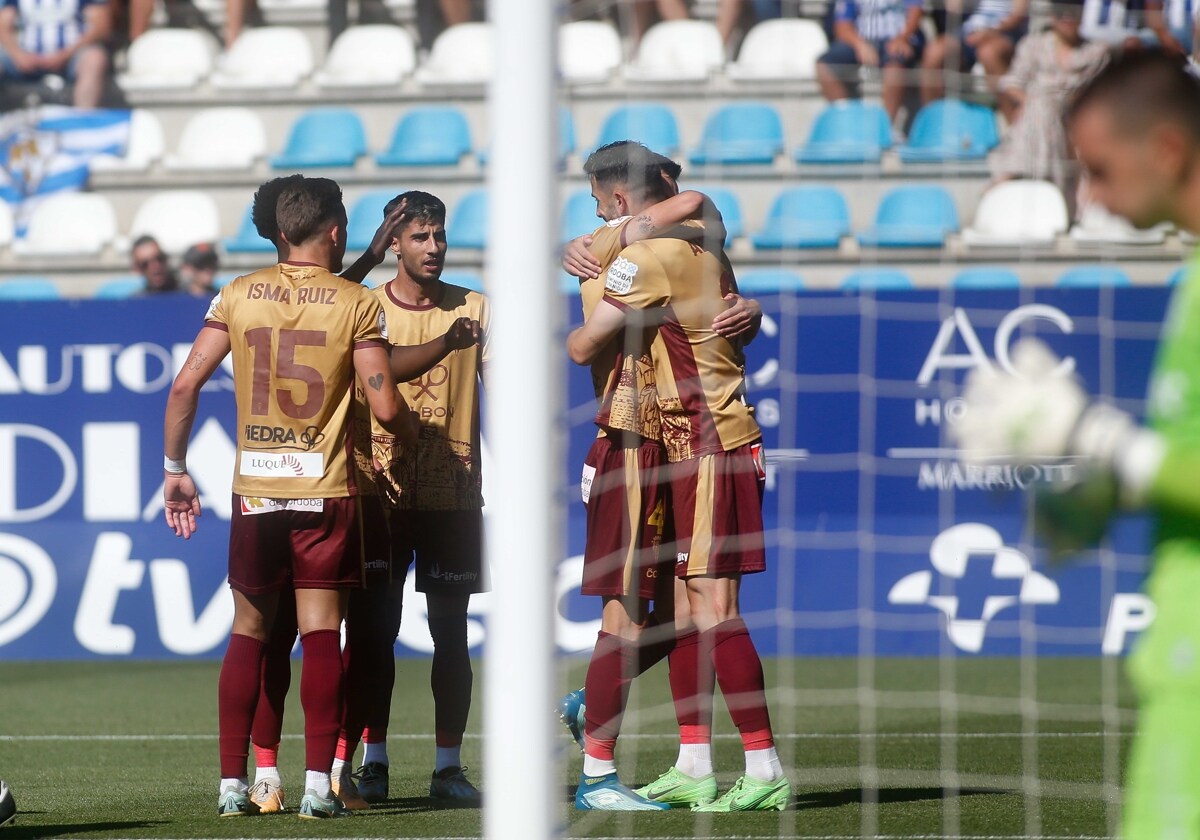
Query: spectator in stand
x=1117 y=23
x=645 y=13
x=731 y=12
x=60 y=37
x=1047 y=69
x=1173 y=22
x=872 y=33
x=152 y=264
x=198 y=270
x=988 y=35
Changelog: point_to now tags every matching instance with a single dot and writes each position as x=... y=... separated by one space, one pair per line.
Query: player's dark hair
x=266 y=197
x=1146 y=88
x=631 y=164
x=422 y=207
x=144 y=239
x=308 y=206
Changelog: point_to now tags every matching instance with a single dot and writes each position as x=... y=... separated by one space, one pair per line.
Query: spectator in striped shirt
x=1174 y=23
x=872 y=33
x=988 y=35
x=1117 y=23
x=61 y=37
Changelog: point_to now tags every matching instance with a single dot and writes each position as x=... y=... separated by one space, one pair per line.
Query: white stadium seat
x=220 y=138
x=7 y=224
x=266 y=57
x=461 y=55
x=146 y=146
x=678 y=51
x=588 y=52
x=69 y=224
x=178 y=219
x=362 y=56
x=780 y=49
x=1016 y=213
x=168 y=59
x=1097 y=226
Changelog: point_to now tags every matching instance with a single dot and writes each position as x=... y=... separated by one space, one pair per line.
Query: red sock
x=321 y=685
x=739 y=671
x=613 y=666
x=443 y=738
x=266 y=756
x=237 y=695
x=373 y=735
x=692 y=686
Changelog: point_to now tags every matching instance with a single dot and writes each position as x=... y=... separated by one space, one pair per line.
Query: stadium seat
x=220 y=138
x=950 y=129
x=146 y=146
x=646 y=122
x=374 y=55
x=1097 y=226
x=589 y=52
x=256 y=60
x=566 y=137
x=876 y=280
x=677 y=51
x=28 y=288
x=805 y=217
x=122 y=287
x=729 y=207
x=779 y=50
x=168 y=59
x=469 y=221
x=914 y=216
x=225 y=278
x=740 y=133
x=770 y=280
x=8 y=227
x=247 y=240
x=323 y=137
x=849 y=131
x=986 y=277
x=466 y=279
x=365 y=217
x=178 y=219
x=1018 y=213
x=579 y=215
x=430 y=136
x=68 y=224
x=462 y=55
x=1177 y=276
x=1092 y=277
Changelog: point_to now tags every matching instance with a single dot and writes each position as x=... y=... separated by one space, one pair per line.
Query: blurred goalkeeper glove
x=385 y=459
x=1037 y=414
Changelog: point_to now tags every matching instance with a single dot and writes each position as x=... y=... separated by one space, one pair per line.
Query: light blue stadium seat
x=366 y=216
x=729 y=207
x=122 y=287
x=648 y=123
x=579 y=215
x=950 y=129
x=805 y=217
x=769 y=280
x=466 y=279
x=247 y=240
x=323 y=137
x=740 y=133
x=1177 y=276
x=469 y=221
x=850 y=131
x=986 y=277
x=429 y=136
x=913 y=216
x=28 y=288
x=1092 y=277
x=225 y=278
x=566 y=137
x=876 y=280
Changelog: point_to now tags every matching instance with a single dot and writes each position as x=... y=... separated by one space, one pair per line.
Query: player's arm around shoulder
x=632 y=287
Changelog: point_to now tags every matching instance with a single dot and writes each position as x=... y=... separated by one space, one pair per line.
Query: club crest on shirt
x=383 y=325
x=620 y=276
x=212 y=306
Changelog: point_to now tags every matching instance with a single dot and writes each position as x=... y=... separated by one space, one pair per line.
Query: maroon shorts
x=271 y=548
x=376 y=541
x=627 y=521
x=717 y=504
x=445 y=545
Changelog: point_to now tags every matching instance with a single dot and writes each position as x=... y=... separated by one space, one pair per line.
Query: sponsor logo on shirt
x=212 y=306
x=620 y=276
x=254 y=505
x=383 y=325
x=291 y=465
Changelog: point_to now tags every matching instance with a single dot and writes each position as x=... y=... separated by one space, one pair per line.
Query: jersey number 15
x=286 y=367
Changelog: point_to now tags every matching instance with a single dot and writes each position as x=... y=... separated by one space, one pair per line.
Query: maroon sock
x=237 y=695
x=612 y=669
x=276 y=678
x=739 y=671
x=692 y=685
x=450 y=676
x=656 y=644
x=321 y=684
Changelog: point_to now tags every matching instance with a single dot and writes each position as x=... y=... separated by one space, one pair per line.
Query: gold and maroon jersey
x=293 y=331
x=444 y=472
x=679 y=287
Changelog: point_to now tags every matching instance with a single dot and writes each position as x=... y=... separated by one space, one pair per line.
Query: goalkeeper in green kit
x=1136 y=129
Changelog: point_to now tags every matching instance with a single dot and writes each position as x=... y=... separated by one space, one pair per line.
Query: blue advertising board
x=879 y=541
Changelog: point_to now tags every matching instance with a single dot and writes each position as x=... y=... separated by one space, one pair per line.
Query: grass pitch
x=991 y=748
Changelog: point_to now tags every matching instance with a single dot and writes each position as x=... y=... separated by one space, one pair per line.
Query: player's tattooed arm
x=740 y=320
x=373 y=368
x=380 y=243
x=664 y=218
x=585 y=342
x=416 y=360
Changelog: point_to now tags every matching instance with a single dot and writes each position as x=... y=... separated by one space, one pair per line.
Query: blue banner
x=880 y=542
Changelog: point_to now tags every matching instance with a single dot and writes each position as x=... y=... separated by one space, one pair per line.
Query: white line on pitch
x=650 y=736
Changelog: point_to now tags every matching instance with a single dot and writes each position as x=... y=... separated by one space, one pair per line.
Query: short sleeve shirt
x=876 y=20
x=47 y=26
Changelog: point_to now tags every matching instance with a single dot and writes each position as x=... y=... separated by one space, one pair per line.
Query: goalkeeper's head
x=1136 y=129
x=627 y=178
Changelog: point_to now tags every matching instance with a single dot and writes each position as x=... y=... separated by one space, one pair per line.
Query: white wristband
x=174 y=467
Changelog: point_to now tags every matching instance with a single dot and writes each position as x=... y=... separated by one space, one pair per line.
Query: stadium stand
x=729 y=207
x=805 y=217
x=168 y=59
x=253 y=60
x=466 y=279
x=579 y=215
x=647 y=122
x=950 y=129
x=220 y=138
x=1097 y=226
x=88 y=217
x=986 y=277
x=469 y=221
x=247 y=240
x=7 y=225
x=765 y=280
x=28 y=288
x=779 y=50
x=462 y=55
x=913 y=216
x=373 y=55
x=146 y=146
x=365 y=216
x=589 y=52
x=1017 y=214
x=324 y=137
x=1093 y=276
x=677 y=51
x=431 y=136
x=740 y=133
x=876 y=279
x=178 y=219
x=850 y=131
x=122 y=287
